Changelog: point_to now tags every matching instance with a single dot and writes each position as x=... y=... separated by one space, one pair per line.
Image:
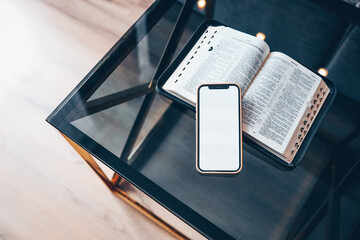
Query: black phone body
x=219 y=129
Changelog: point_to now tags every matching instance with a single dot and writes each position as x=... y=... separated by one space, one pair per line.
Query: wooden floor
x=46 y=190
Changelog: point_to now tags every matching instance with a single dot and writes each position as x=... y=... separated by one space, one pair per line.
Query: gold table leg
x=115 y=189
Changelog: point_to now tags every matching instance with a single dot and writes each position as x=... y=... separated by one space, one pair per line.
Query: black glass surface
x=317 y=200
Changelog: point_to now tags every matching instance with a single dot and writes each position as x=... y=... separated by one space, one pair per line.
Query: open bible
x=280 y=97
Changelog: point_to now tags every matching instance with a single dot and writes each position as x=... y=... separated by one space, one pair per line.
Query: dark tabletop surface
x=319 y=199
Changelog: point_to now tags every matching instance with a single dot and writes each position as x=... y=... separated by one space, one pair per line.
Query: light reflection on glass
x=201 y=4
x=261 y=35
x=323 y=72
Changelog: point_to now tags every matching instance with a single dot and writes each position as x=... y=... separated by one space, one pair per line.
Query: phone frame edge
x=197 y=132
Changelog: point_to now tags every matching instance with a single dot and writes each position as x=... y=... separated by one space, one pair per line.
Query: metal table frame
x=72 y=108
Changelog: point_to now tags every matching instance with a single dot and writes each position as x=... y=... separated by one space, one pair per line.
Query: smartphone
x=218 y=129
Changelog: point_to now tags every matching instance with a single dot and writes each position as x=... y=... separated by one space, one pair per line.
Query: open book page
x=276 y=101
x=221 y=55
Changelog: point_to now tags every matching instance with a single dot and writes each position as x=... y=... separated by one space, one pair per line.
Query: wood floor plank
x=47 y=191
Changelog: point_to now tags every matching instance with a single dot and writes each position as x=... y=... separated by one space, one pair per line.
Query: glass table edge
x=165 y=199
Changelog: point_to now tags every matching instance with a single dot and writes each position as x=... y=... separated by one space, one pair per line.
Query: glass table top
x=116 y=115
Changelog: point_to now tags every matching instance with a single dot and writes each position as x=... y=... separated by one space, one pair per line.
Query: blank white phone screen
x=219 y=129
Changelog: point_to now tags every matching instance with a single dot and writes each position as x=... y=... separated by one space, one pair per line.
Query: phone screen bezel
x=220 y=86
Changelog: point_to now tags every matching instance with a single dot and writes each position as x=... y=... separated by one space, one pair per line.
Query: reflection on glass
x=201 y=4
x=323 y=72
x=261 y=35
